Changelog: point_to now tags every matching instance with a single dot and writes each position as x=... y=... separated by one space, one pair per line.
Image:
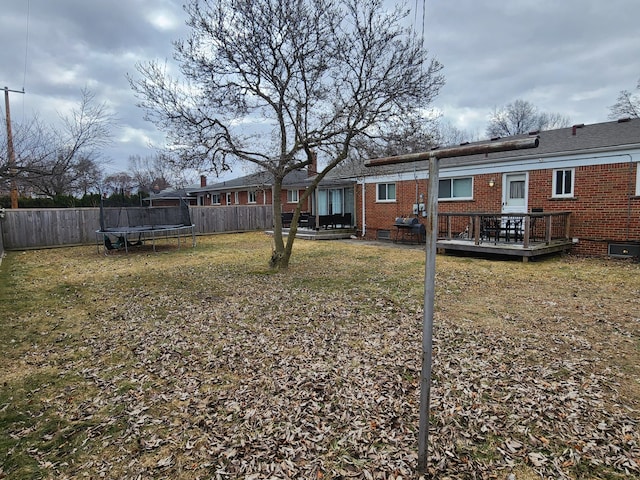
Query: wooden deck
x=322 y=234
x=534 y=249
x=522 y=235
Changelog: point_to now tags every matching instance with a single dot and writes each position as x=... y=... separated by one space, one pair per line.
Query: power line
x=424 y=16
x=414 y=25
x=26 y=46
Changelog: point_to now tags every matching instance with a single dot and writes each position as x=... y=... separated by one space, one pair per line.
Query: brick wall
x=604 y=207
x=243 y=198
x=290 y=207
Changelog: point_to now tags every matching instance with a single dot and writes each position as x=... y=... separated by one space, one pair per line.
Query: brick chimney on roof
x=312 y=168
x=203 y=180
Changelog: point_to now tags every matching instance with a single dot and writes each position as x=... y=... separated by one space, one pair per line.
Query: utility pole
x=433 y=157
x=10 y=150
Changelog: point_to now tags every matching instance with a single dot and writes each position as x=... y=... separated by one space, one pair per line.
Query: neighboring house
x=172 y=197
x=333 y=196
x=590 y=171
x=253 y=189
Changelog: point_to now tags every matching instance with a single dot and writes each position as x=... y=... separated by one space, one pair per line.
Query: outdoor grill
x=409 y=228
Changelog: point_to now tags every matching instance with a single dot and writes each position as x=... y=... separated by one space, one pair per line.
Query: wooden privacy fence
x=1 y=240
x=232 y=218
x=56 y=227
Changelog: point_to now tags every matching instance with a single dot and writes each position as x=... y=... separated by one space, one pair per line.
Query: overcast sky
x=565 y=56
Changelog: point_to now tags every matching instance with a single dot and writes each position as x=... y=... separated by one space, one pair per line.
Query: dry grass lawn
x=202 y=364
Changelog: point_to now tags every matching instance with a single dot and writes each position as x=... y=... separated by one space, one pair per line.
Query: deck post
x=527 y=226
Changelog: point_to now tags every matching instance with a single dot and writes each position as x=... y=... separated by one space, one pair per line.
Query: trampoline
x=124 y=227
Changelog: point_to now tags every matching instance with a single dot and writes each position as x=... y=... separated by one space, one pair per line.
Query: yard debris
x=269 y=378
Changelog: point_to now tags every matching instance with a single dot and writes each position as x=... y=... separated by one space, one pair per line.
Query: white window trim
x=456 y=199
x=213 y=197
x=553 y=183
x=252 y=196
x=290 y=195
x=387 y=200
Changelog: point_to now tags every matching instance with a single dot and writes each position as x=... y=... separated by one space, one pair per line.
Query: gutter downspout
x=364 y=209
x=631 y=193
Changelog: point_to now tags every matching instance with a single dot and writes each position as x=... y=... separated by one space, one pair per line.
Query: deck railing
x=519 y=228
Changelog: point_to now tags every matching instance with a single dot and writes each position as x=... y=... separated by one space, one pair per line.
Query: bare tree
x=151 y=173
x=411 y=134
x=88 y=177
x=118 y=183
x=521 y=117
x=448 y=134
x=61 y=160
x=31 y=141
x=627 y=105
x=276 y=82
x=63 y=175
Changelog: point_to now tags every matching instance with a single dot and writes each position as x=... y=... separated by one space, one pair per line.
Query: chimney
x=575 y=128
x=312 y=168
x=203 y=180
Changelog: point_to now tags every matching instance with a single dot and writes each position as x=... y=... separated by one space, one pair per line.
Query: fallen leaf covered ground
x=201 y=363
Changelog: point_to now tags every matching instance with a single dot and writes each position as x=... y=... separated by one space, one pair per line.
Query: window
x=563 y=183
x=215 y=199
x=334 y=200
x=228 y=198
x=251 y=197
x=516 y=189
x=455 y=188
x=237 y=198
x=386 y=192
x=292 y=196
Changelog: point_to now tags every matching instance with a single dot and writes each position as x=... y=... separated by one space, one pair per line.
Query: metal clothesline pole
x=433 y=157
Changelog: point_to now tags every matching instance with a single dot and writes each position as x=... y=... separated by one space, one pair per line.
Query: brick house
x=590 y=171
x=334 y=196
x=253 y=189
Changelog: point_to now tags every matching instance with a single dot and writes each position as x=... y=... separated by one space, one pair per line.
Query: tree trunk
x=278 y=260
x=282 y=251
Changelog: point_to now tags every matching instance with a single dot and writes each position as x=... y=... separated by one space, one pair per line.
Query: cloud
x=571 y=57
x=163 y=20
x=546 y=52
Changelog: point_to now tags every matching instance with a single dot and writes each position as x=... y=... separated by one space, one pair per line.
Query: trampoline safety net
x=143 y=223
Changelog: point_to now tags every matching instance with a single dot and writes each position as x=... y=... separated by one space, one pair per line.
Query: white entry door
x=514 y=193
